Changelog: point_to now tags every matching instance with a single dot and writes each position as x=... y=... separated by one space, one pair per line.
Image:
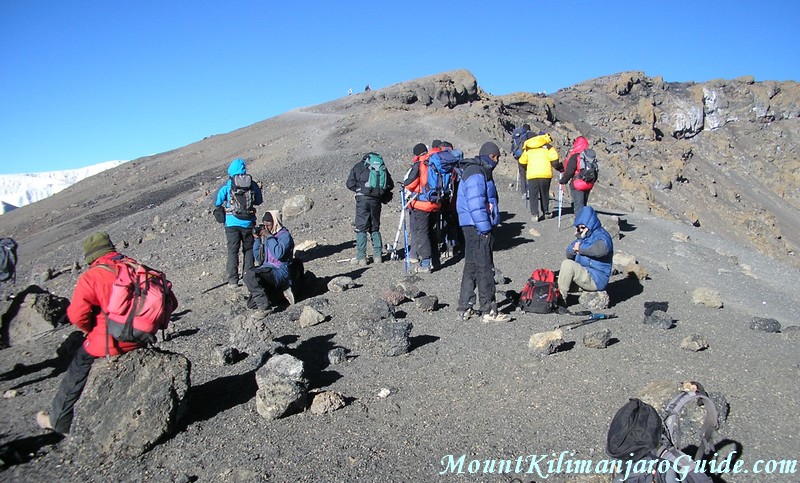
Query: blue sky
x=82 y=82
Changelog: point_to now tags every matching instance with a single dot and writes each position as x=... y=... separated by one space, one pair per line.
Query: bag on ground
x=647 y=446
x=540 y=293
x=8 y=259
x=240 y=198
x=141 y=302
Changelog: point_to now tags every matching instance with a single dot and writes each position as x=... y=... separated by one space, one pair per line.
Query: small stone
x=680 y=237
x=11 y=393
x=340 y=284
x=393 y=297
x=637 y=270
x=228 y=355
x=384 y=392
x=327 y=402
x=708 y=297
x=598 y=339
x=337 y=355
x=310 y=317
x=791 y=333
x=694 y=343
x=545 y=343
x=534 y=232
x=409 y=289
x=594 y=300
x=765 y=325
x=659 y=320
x=427 y=303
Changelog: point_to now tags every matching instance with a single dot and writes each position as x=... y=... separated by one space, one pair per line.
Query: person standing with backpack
x=423 y=212
x=539 y=157
x=478 y=214
x=580 y=187
x=372 y=184
x=240 y=195
x=87 y=311
x=518 y=137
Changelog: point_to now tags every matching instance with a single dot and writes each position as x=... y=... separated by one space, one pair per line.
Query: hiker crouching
x=273 y=249
x=589 y=256
x=372 y=184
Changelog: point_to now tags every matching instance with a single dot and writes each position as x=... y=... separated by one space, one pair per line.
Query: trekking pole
x=214 y=287
x=592 y=319
x=407 y=262
x=560 y=202
x=400 y=225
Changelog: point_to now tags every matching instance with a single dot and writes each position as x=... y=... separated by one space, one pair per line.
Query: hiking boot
x=469 y=313
x=495 y=316
x=288 y=294
x=43 y=420
x=378 y=259
x=261 y=313
x=423 y=269
x=362 y=262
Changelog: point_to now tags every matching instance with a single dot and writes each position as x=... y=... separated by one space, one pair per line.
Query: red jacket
x=419 y=176
x=92 y=292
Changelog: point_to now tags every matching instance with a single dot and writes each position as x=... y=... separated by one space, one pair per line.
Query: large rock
x=282 y=387
x=594 y=300
x=297 y=205
x=708 y=297
x=546 y=343
x=128 y=405
x=385 y=337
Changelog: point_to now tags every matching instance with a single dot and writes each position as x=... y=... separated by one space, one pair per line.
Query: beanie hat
x=97 y=245
x=267 y=218
x=419 y=149
x=488 y=149
x=526 y=127
x=446 y=144
x=436 y=143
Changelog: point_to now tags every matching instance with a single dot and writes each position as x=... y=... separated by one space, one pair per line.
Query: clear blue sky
x=82 y=82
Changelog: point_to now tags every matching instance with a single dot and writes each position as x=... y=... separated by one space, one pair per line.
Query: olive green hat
x=97 y=245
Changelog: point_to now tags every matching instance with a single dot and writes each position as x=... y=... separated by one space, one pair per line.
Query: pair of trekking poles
x=402 y=226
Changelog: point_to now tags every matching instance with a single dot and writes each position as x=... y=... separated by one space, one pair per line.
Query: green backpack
x=377 y=173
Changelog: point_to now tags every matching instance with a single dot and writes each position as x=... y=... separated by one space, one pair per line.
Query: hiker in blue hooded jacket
x=240 y=217
x=478 y=214
x=588 y=264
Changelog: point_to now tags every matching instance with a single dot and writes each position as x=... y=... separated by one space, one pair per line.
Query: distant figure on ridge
x=239 y=195
x=367 y=89
x=372 y=184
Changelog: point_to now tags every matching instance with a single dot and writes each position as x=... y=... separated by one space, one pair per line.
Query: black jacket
x=359 y=178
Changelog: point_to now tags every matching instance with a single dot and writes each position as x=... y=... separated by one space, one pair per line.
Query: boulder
x=426 y=303
x=297 y=205
x=386 y=337
x=594 y=300
x=327 y=402
x=281 y=398
x=598 y=339
x=128 y=405
x=546 y=343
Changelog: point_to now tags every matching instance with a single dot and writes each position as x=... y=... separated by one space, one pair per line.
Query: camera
x=257 y=229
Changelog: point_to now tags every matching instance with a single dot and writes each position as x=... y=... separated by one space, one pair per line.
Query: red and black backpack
x=540 y=293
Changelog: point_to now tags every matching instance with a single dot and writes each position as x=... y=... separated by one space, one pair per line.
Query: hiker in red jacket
x=92 y=291
x=579 y=189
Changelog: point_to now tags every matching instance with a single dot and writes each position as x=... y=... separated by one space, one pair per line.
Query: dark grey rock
x=281 y=366
x=227 y=355
x=281 y=398
x=765 y=325
x=337 y=355
x=128 y=405
x=409 y=289
x=659 y=320
x=598 y=339
x=594 y=300
x=427 y=303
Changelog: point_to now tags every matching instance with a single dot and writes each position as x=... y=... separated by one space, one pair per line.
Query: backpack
x=375 y=185
x=441 y=175
x=141 y=302
x=518 y=138
x=540 y=293
x=240 y=197
x=587 y=166
x=648 y=446
x=8 y=259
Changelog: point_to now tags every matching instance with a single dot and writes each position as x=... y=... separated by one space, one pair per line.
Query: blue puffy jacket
x=477 y=200
x=596 y=251
x=237 y=166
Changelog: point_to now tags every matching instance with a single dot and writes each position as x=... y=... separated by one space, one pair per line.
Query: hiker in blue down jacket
x=273 y=250
x=478 y=213
x=238 y=226
x=589 y=256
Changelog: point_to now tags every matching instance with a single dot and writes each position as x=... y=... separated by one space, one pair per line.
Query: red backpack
x=141 y=302
x=540 y=293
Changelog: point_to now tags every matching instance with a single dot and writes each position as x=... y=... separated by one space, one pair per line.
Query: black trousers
x=579 y=199
x=478 y=271
x=539 y=191
x=423 y=229
x=238 y=237
x=70 y=389
x=368 y=214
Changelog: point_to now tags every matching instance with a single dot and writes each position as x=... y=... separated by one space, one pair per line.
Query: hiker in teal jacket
x=588 y=264
x=239 y=219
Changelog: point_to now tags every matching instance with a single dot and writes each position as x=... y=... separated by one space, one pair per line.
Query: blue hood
x=237 y=166
x=587 y=216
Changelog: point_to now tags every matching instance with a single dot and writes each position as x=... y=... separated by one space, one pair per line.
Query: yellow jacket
x=537 y=153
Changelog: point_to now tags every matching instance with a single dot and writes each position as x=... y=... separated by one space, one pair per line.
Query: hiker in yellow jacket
x=540 y=157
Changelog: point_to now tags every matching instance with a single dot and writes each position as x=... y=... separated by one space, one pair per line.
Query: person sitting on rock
x=589 y=256
x=91 y=295
x=272 y=249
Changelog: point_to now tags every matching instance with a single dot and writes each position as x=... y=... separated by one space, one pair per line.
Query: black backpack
x=240 y=197
x=648 y=447
x=8 y=259
x=588 y=163
x=540 y=293
x=518 y=137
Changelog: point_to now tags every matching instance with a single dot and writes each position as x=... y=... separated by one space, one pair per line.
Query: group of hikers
x=452 y=204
